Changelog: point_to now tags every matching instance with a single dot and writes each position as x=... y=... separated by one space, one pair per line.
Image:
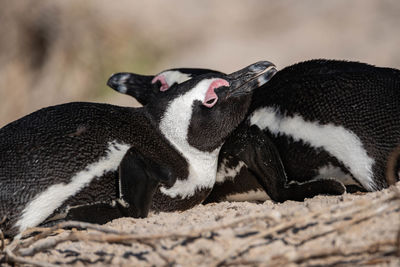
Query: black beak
x=122 y=81
x=135 y=85
x=247 y=79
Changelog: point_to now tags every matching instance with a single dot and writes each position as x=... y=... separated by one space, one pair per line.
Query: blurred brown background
x=59 y=51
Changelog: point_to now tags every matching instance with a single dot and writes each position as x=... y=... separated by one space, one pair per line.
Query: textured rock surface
x=349 y=229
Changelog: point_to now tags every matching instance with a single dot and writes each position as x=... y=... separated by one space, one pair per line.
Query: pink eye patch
x=164 y=84
x=211 y=97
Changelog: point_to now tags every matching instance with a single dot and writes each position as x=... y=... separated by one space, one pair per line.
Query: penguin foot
x=299 y=191
x=99 y=213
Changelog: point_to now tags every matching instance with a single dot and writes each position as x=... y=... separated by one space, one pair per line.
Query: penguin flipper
x=139 y=178
x=263 y=161
x=300 y=191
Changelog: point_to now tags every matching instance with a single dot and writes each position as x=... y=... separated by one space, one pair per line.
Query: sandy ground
x=353 y=229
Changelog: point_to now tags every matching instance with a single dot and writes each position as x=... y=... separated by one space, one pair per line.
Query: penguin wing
x=139 y=178
x=263 y=160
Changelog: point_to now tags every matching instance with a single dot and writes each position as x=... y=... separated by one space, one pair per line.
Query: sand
x=353 y=229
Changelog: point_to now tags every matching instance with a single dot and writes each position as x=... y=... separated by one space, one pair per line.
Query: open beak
x=247 y=79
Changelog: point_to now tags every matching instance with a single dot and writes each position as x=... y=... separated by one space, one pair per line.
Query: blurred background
x=57 y=51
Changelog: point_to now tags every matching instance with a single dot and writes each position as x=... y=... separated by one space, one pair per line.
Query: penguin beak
x=122 y=80
x=244 y=81
x=132 y=84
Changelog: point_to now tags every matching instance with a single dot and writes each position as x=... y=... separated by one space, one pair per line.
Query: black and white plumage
x=146 y=88
x=340 y=115
x=325 y=119
x=96 y=162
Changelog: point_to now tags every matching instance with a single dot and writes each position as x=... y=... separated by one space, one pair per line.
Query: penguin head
x=201 y=112
x=146 y=88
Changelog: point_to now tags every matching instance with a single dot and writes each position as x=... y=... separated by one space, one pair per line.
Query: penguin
x=97 y=162
x=145 y=88
x=329 y=120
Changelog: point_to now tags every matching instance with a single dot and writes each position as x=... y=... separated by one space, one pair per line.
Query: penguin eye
x=161 y=78
x=211 y=97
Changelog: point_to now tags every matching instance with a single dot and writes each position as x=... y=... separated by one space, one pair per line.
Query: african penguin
x=96 y=162
x=325 y=119
x=145 y=88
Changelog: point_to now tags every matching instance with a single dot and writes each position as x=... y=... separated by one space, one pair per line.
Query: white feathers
x=338 y=141
x=174 y=125
x=44 y=204
x=224 y=173
x=330 y=171
x=174 y=76
x=253 y=195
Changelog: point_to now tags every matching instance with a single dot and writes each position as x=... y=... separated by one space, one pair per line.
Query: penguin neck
x=201 y=173
x=202 y=165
